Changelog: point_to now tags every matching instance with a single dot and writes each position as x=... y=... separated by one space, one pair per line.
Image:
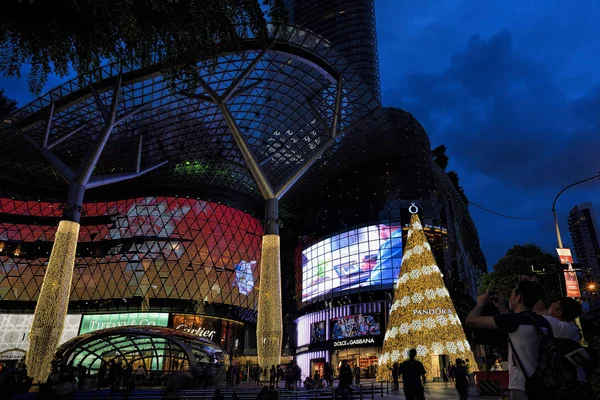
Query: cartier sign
x=200 y=332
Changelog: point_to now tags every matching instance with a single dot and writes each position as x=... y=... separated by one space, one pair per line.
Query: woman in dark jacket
x=462 y=379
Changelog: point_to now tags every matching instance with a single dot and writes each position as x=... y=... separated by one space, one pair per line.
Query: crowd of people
x=13 y=380
x=544 y=343
x=544 y=346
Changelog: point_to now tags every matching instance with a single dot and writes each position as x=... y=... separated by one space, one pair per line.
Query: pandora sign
x=433 y=311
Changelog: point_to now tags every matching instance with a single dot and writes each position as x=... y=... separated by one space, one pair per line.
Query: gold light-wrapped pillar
x=53 y=302
x=269 y=330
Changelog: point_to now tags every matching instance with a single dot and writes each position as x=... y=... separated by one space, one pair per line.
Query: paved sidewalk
x=433 y=391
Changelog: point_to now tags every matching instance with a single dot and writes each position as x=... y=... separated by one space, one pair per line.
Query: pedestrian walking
x=462 y=380
x=413 y=377
x=395 y=377
x=357 y=375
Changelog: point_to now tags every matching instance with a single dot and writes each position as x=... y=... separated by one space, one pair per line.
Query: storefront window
x=317 y=365
x=364 y=357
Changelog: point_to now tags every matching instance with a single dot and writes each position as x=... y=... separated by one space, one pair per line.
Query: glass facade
x=349 y=25
x=151 y=248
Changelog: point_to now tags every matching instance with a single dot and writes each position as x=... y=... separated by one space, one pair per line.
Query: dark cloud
x=513 y=132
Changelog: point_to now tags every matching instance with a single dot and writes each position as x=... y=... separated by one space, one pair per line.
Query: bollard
x=387 y=387
x=381 y=388
x=372 y=390
x=361 y=393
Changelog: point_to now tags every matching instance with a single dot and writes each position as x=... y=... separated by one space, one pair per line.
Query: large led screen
x=150 y=248
x=367 y=257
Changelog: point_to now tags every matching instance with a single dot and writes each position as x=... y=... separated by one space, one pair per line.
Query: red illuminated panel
x=156 y=247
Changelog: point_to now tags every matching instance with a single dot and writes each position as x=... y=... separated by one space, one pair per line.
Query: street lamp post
x=558 y=237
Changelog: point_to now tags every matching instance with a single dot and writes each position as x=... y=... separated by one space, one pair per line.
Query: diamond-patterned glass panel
x=153 y=247
x=291 y=91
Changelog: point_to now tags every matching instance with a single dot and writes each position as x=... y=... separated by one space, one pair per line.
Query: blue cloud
x=515 y=129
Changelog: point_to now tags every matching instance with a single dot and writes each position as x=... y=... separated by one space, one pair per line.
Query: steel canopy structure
x=157 y=348
x=261 y=117
x=281 y=96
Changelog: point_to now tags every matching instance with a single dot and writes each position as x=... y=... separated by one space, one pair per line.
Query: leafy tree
x=7 y=106
x=440 y=157
x=518 y=262
x=442 y=160
x=54 y=36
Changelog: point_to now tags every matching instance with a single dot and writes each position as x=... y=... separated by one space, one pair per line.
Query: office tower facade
x=349 y=26
x=584 y=234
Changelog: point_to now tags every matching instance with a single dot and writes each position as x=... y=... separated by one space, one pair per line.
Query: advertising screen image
x=359 y=258
x=354 y=326
x=317 y=332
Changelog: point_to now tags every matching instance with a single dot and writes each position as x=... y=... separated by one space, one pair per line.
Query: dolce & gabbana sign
x=302 y=349
x=357 y=342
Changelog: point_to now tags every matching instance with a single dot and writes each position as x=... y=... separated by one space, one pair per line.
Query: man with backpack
x=562 y=315
x=528 y=333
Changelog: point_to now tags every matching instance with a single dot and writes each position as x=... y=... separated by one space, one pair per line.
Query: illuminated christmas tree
x=422 y=315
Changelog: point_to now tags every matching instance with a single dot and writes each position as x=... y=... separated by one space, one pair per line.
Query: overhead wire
x=509 y=216
x=538 y=217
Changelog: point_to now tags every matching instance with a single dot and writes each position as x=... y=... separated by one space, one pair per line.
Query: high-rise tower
x=349 y=25
x=584 y=234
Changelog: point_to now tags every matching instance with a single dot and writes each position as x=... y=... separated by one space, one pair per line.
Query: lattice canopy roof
x=156 y=348
x=282 y=98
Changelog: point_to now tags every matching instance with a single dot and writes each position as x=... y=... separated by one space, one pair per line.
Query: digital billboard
x=355 y=326
x=317 y=332
x=353 y=260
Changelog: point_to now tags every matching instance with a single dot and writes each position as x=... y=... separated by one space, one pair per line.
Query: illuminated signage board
x=90 y=323
x=433 y=311
x=571 y=283
x=219 y=330
x=14 y=330
x=565 y=256
x=358 y=342
x=302 y=349
x=358 y=259
x=200 y=332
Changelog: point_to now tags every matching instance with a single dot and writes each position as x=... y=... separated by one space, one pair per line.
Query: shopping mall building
x=172 y=225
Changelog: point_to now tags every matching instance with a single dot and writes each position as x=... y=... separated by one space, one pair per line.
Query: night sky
x=512 y=88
